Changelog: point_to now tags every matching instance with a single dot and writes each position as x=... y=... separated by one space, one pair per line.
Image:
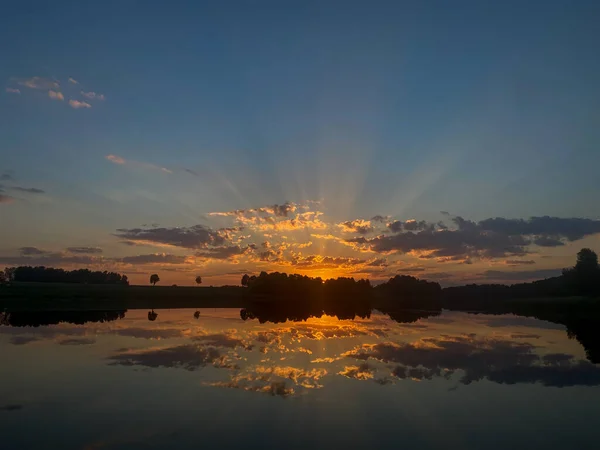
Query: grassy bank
x=62 y=297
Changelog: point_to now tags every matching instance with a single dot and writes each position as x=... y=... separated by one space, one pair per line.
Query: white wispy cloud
x=93 y=95
x=13 y=90
x=37 y=83
x=77 y=104
x=73 y=80
x=138 y=164
x=56 y=95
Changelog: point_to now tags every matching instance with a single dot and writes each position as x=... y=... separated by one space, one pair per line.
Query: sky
x=453 y=141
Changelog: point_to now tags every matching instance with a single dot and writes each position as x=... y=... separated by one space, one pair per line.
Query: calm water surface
x=448 y=381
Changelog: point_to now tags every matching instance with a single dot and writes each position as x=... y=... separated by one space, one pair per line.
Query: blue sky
x=402 y=109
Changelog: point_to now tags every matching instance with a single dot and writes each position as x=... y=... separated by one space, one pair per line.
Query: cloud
x=92 y=95
x=56 y=95
x=187 y=356
x=77 y=341
x=571 y=229
x=223 y=252
x=221 y=340
x=49 y=259
x=73 y=80
x=497 y=360
x=27 y=190
x=362 y=372
x=32 y=251
x=546 y=241
x=85 y=250
x=275 y=210
x=38 y=83
x=13 y=90
x=136 y=164
x=76 y=104
x=157 y=258
x=7 y=175
x=115 y=159
x=356 y=226
x=380 y=218
x=194 y=237
x=519 y=262
x=23 y=340
x=490 y=238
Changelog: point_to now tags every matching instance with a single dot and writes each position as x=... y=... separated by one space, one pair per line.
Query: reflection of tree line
x=44 y=318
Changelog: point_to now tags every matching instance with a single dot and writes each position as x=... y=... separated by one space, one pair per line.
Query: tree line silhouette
x=41 y=274
x=44 y=318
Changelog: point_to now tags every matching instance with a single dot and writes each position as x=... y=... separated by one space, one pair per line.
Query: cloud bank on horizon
x=298 y=238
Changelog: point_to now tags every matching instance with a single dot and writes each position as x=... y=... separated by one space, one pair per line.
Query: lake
x=117 y=380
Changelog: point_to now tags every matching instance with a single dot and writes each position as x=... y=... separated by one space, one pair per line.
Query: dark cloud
x=195 y=237
x=489 y=238
x=85 y=250
x=191 y=172
x=506 y=275
x=546 y=241
x=410 y=225
x=379 y=218
x=500 y=361
x=411 y=270
x=49 y=260
x=526 y=336
x=357 y=226
x=380 y=262
x=189 y=357
x=571 y=229
x=223 y=252
x=23 y=340
x=77 y=341
x=32 y=251
x=153 y=258
x=220 y=340
x=283 y=210
x=417 y=225
x=27 y=190
x=395 y=226
x=7 y=175
x=519 y=262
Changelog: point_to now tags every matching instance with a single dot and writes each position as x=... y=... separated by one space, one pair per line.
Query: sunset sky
x=453 y=141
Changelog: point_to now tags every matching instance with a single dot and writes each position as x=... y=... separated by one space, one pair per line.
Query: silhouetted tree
x=152 y=316
x=198 y=280
x=154 y=278
x=584 y=278
x=245 y=279
x=196 y=314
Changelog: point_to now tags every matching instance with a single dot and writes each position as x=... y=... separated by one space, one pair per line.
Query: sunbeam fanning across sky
x=451 y=142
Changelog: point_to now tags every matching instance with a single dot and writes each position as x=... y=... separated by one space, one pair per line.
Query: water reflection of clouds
x=320 y=351
x=189 y=357
x=282 y=381
x=497 y=360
